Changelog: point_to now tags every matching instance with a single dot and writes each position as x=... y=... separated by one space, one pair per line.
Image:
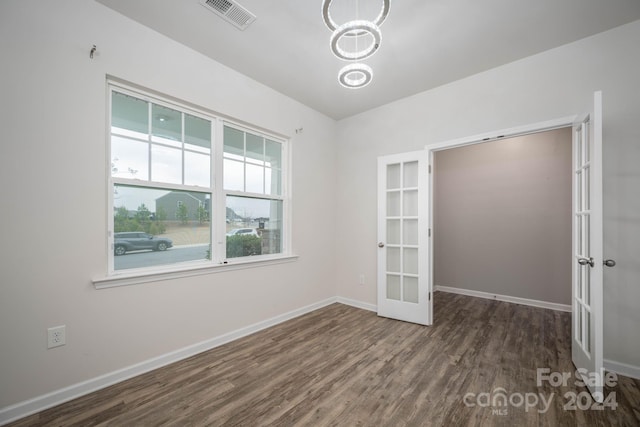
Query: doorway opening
x=477 y=140
x=502 y=219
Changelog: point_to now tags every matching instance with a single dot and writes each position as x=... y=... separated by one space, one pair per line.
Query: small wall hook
x=92 y=51
x=299 y=130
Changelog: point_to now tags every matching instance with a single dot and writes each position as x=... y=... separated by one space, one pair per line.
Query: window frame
x=284 y=190
x=216 y=191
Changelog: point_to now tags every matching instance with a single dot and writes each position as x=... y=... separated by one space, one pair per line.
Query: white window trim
x=218 y=263
x=139 y=276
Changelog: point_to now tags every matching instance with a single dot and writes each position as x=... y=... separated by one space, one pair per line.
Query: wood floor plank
x=342 y=366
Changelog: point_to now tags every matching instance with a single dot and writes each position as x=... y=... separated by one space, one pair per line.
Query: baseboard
x=31 y=406
x=622 y=368
x=357 y=304
x=506 y=298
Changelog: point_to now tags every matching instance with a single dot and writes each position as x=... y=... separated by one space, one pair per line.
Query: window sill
x=135 y=278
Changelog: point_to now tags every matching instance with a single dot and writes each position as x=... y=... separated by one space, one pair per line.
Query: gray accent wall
x=502 y=217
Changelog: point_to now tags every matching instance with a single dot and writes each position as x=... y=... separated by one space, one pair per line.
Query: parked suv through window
x=136 y=241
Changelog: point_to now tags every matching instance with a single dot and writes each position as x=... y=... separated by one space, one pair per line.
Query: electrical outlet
x=361 y=279
x=56 y=336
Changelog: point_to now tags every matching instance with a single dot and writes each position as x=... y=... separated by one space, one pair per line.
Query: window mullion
x=264 y=167
x=285 y=168
x=183 y=137
x=149 y=143
x=160 y=186
x=218 y=252
x=244 y=162
x=110 y=186
x=254 y=195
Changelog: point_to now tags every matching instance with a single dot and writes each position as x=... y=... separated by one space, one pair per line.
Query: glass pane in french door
x=393 y=232
x=411 y=289
x=393 y=287
x=582 y=240
x=402 y=231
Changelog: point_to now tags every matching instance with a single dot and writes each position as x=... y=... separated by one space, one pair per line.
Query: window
x=253 y=193
x=166 y=209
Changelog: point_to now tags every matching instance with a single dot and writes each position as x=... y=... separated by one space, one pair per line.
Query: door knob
x=585 y=261
x=609 y=263
x=381 y=245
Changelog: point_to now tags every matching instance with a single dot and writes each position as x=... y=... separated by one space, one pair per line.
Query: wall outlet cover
x=56 y=336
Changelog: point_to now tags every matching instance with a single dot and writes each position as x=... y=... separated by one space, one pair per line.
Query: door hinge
x=429 y=232
x=429 y=168
x=429 y=296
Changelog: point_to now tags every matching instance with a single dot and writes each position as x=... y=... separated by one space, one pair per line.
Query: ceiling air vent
x=230 y=11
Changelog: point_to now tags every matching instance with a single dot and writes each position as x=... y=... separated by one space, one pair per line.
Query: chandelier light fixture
x=354 y=75
x=362 y=27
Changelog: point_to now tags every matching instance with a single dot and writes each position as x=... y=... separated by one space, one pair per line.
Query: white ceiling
x=425 y=43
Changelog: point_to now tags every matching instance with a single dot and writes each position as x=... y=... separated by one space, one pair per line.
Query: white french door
x=404 y=288
x=587 y=277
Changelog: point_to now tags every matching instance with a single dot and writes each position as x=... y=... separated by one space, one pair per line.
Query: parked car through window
x=135 y=241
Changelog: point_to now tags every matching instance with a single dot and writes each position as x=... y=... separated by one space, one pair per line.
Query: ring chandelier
x=363 y=27
x=355 y=75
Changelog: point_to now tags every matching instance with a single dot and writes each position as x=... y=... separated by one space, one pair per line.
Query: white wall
x=552 y=85
x=53 y=206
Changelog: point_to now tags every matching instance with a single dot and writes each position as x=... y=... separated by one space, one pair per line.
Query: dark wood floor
x=344 y=366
